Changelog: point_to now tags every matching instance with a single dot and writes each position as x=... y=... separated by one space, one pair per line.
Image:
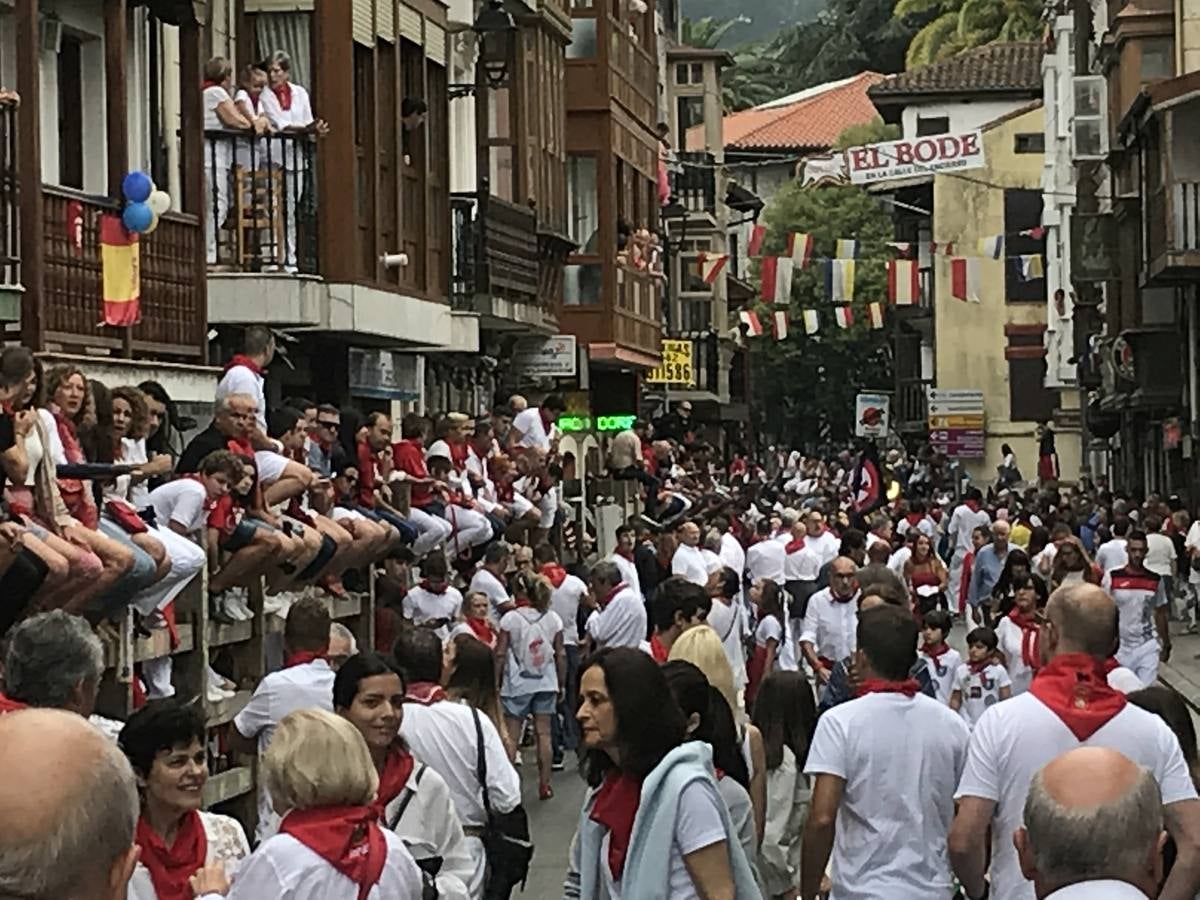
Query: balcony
x=261 y=194
x=10 y=221
x=911 y=415
x=695 y=187
x=174 y=315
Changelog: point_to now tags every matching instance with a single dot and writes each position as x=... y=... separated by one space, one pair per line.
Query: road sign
x=872 y=413
x=956 y=422
x=960 y=421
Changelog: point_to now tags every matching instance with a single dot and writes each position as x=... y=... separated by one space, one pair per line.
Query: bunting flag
x=712 y=265
x=800 y=248
x=964 y=279
x=777 y=279
x=947 y=249
x=811 y=321
x=750 y=319
x=904 y=248
x=120 y=263
x=1032 y=267
x=844 y=316
x=875 y=314
x=846 y=249
x=839 y=280
x=781 y=324
x=757 y=235
x=904 y=282
x=992 y=247
x=768 y=276
x=1036 y=233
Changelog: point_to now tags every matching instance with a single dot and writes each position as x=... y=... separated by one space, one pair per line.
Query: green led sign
x=569 y=424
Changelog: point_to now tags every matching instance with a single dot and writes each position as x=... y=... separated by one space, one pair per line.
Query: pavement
x=552 y=823
x=1182 y=672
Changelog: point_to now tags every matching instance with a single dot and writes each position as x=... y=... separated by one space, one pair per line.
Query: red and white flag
x=875 y=314
x=757 y=235
x=964 y=279
x=904 y=282
x=781 y=324
x=904 y=248
x=947 y=249
x=711 y=265
x=800 y=248
x=750 y=319
x=844 y=316
x=777 y=279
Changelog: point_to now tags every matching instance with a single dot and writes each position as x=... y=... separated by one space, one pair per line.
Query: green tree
x=873 y=132
x=804 y=386
x=707 y=33
x=951 y=26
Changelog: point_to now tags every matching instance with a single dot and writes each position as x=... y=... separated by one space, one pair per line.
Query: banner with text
x=678 y=367
x=913 y=157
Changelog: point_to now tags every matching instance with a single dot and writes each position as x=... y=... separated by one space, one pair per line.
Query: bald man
x=1068 y=705
x=985 y=572
x=1093 y=829
x=68 y=804
x=831 y=620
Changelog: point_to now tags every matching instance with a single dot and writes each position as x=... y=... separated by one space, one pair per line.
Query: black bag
x=506 y=839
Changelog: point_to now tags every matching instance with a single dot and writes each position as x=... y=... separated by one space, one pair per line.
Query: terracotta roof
x=814 y=118
x=1003 y=67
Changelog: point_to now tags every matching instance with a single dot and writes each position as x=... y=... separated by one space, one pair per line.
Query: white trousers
x=431 y=531
x=1142 y=661
x=470 y=528
x=187 y=559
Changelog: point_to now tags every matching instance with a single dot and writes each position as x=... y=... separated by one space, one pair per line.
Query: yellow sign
x=678 y=366
x=960 y=421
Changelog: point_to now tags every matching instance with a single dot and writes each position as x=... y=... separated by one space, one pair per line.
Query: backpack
x=532 y=645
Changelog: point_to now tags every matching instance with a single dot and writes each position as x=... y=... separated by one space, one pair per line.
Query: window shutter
x=363 y=13
x=435 y=43
x=410 y=25
x=385 y=19
x=261 y=6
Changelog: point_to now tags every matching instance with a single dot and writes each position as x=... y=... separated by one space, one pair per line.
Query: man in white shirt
x=1068 y=705
x=433 y=602
x=489 y=579
x=688 y=562
x=732 y=553
x=568 y=595
x=766 y=558
x=1141 y=598
x=1112 y=553
x=446 y=736
x=622 y=557
x=831 y=620
x=534 y=427
x=884 y=768
x=823 y=541
x=965 y=519
x=1161 y=555
x=304 y=682
x=619 y=615
x=1093 y=829
x=881 y=530
x=801 y=568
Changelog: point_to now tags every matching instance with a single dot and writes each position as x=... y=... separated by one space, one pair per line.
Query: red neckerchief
x=909 y=688
x=397 y=767
x=304 y=657
x=8 y=705
x=1075 y=688
x=935 y=651
x=608 y=598
x=615 y=807
x=795 y=546
x=657 y=650
x=426 y=693
x=347 y=837
x=428 y=588
x=284 y=93
x=171 y=867
x=241 y=359
x=836 y=599
x=555 y=573
x=972 y=505
x=977 y=667
x=914 y=519
x=240 y=446
x=458 y=455
x=208 y=82
x=483 y=630
x=76 y=496
x=624 y=554
x=1030 y=637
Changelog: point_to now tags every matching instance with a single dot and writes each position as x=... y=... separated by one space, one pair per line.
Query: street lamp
x=497 y=36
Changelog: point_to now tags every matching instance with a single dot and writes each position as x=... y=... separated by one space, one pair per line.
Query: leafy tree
x=760 y=18
x=707 y=33
x=951 y=26
x=873 y=132
x=804 y=386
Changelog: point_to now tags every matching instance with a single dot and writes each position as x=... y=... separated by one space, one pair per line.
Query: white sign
x=917 y=156
x=871 y=415
x=542 y=357
x=955 y=402
x=384 y=374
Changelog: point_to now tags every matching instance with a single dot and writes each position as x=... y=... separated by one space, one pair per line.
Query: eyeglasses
x=331 y=425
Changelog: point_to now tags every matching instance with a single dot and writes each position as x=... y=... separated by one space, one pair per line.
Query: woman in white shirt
x=220 y=114
x=413 y=799
x=531 y=667
x=165 y=743
x=330 y=845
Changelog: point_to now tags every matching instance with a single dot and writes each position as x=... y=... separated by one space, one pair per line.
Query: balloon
x=138 y=217
x=153 y=223
x=137 y=187
x=160 y=202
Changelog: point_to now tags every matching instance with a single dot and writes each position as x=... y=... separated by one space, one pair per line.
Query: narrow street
x=553 y=825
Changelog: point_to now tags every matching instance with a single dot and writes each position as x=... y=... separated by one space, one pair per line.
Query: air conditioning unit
x=50 y=34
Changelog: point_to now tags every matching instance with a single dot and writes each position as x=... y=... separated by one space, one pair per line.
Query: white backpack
x=533 y=643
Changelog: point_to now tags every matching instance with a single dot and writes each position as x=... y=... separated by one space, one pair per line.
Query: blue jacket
x=648 y=863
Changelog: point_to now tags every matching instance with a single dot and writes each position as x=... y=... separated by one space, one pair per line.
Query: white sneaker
x=215 y=694
x=236 y=605
x=275 y=605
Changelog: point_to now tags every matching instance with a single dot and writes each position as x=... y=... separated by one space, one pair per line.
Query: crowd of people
x=757 y=683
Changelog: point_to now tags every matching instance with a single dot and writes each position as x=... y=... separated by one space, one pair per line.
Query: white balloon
x=160 y=202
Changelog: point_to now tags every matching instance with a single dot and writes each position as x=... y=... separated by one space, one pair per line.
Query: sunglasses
x=331 y=425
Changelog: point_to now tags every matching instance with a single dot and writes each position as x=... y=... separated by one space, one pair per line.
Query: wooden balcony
x=633 y=72
x=10 y=217
x=1173 y=233
x=911 y=415
x=174 y=318
x=615 y=309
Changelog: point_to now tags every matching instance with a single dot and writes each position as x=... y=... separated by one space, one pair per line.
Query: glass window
x=697 y=73
x=581 y=200
x=499 y=125
x=583 y=39
x=927 y=125
x=500 y=170
x=681 y=74
x=582 y=284
x=1158 y=59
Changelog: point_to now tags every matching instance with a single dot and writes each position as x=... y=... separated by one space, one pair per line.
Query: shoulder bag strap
x=410 y=792
x=481 y=765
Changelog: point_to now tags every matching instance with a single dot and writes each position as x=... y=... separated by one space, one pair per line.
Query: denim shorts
x=542 y=703
x=243 y=534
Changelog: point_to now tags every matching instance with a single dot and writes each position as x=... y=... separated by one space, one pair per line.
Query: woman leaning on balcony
x=220 y=114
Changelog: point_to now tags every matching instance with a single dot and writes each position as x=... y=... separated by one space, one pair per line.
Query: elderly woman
x=165 y=743
x=220 y=114
x=413 y=799
x=330 y=845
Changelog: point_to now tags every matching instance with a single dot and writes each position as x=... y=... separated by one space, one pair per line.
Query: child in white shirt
x=981 y=681
x=941 y=660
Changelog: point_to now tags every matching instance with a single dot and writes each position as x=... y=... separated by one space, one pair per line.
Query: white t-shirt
x=309 y=686
x=689 y=563
x=979 y=690
x=244 y=380
x=767 y=560
x=1014 y=739
x=1101 y=889
x=726 y=620
x=697 y=825
x=898 y=560
x=423 y=606
x=826 y=545
x=943 y=673
x=963 y=522
x=629 y=573
x=785 y=648
x=183 y=500
x=565 y=601
x=802 y=564
x=900 y=758
x=533 y=432
x=733 y=554
x=484 y=582
x=1160 y=555
x=1192 y=542
x=1138 y=595
x=529 y=664
x=1112 y=555
x=1010 y=639
x=831 y=627
x=134 y=452
x=622 y=623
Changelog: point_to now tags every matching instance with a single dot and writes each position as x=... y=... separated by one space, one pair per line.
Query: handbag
x=125 y=516
x=506 y=839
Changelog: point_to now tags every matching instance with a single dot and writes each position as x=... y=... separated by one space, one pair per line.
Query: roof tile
x=1002 y=66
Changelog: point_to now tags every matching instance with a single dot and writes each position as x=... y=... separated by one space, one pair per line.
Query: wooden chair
x=258 y=216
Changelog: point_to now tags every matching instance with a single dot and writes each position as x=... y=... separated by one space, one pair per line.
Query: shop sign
x=872 y=413
x=384 y=374
x=678 y=367
x=906 y=158
x=569 y=424
x=545 y=357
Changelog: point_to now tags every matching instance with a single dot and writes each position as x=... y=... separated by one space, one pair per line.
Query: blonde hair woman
x=323 y=781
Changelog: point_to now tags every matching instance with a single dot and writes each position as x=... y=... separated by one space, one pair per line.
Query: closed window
x=927 y=125
x=1028 y=397
x=1032 y=142
x=1158 y=59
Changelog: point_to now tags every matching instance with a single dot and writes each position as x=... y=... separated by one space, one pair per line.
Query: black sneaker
x=557 y=765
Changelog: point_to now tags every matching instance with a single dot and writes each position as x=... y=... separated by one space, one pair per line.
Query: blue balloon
x=137 y=187
x=138 y=217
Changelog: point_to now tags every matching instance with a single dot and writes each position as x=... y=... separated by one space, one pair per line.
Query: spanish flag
x=121 y=265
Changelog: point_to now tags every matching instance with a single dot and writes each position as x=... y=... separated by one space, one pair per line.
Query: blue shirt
x=985 y=572
x=837 y=690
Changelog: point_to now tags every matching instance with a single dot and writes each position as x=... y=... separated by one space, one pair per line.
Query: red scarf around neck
x=483 y=630
x=171 y=867
x=624 y=554
x=427 y=588
x=1031 y=637
x=615 y=807
x=241 y=359
x=426 y=693
x=284 y=93
x=909 y=687
x=397 y=767
x=608 y=598
x=347 y=837
x=1075 y=688
x=977 y=667
x=658 y=650
x=556 y=574
x=304 y=657
x=935 y=651
x=208 y=82
x=8 y=705
x=914 y=519
x=972 y=505
x=795 y=546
